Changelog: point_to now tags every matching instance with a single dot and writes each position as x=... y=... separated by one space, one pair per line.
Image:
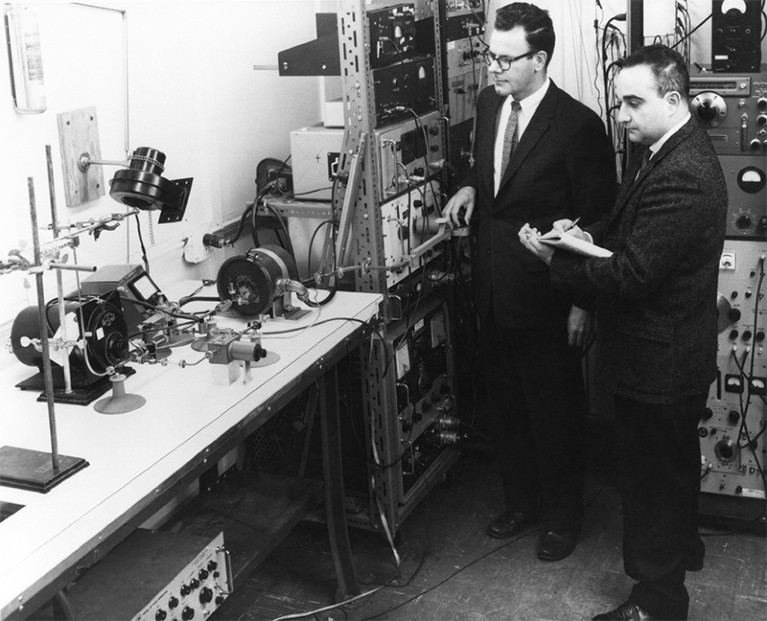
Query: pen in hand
x=572 y=224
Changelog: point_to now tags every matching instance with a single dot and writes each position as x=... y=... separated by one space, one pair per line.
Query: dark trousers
x=537 y=398
x=659 y=464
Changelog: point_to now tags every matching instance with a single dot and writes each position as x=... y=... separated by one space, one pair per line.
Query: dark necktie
x=645 y=162
x=510 y=136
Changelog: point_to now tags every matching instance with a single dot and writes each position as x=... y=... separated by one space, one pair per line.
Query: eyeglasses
x=504 y=62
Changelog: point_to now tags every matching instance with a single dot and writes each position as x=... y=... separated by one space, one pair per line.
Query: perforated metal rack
x=362 y=206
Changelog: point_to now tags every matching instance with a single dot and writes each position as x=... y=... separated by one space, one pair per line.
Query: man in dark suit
x=656 y=311
x=560 y=165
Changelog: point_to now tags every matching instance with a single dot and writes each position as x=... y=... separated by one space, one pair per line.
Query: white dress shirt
x=528 y=106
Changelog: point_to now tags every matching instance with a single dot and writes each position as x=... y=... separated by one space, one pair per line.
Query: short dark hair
x=535 y=21
x=667 y=65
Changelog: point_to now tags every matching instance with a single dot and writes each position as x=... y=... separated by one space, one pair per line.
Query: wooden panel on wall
x=78 y=135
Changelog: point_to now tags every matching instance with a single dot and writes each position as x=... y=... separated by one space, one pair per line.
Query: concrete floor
x=449 y=568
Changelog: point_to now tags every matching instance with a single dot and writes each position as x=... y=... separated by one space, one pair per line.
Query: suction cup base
x=270 y=358
x=119 y=402
x=119 y=405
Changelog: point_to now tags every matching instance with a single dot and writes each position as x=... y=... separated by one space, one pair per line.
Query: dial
x=744 y=221
x=710 y=109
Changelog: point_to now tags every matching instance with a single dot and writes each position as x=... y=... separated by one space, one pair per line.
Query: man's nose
x=623 y=116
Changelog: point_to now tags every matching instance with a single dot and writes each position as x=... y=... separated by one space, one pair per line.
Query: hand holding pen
x=570 y=226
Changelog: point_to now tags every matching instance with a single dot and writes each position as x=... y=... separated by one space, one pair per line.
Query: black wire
x=319 y=323
x=692 y=31
x=396 y=48
x=402 y=456
x=155 y=308
x=289 y=247
x=322 y=302
x=312 y=191
x=198 y=298
x=141 y=242
x=596 y=70
x=271 y=186
x=429 y=178
x=747 y=378
x=243 y=218
x=482 y=557
x=764 y=16
x=311 y=244
x=163 y=328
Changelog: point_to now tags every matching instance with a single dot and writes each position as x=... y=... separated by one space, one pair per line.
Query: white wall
x=203 y=88
x=198 y=91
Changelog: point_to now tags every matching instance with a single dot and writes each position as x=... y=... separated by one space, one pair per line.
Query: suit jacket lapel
x=628 y=187
x=537 y=126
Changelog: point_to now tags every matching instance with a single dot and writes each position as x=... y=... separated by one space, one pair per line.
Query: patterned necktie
x=510 y=136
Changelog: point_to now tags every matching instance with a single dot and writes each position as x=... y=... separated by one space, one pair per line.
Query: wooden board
x=78 y=134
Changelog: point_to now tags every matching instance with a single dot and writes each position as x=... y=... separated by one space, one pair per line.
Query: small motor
x=101 y=334
x=256 y=281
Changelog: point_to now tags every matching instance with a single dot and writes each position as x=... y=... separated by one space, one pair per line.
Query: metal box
x=314 y=153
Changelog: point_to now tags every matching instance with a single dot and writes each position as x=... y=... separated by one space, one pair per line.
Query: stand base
x=32 y=470
x=83 y=392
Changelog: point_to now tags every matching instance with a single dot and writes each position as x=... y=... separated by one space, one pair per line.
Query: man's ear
x=674 y=98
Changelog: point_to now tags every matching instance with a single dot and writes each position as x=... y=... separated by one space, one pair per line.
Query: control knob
x=206 y=595
x=744 y=222
x=725 y=449
x=187 y=613
x=710 y=108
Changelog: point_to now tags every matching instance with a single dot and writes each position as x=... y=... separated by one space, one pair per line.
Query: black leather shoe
x=625 y=612
x=509 y=524
x=556 y=545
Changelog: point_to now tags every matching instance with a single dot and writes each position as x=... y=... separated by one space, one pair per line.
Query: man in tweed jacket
x=656 y=317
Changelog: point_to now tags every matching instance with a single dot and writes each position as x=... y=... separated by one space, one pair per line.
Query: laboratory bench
x=140 y=460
